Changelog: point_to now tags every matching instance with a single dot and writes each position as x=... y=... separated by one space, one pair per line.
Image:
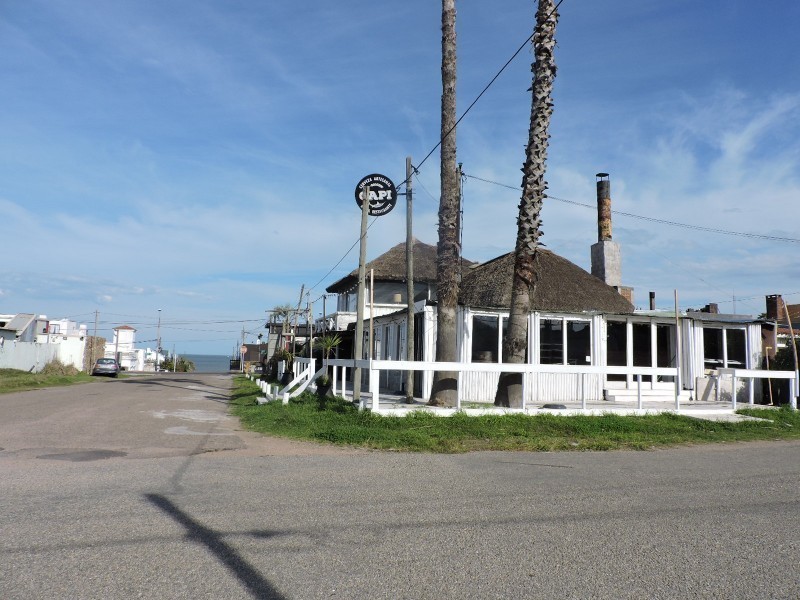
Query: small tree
x=280 y=315
x=181 y=366
x=326 y=344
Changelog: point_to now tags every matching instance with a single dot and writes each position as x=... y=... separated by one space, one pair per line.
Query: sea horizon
x=208 y=363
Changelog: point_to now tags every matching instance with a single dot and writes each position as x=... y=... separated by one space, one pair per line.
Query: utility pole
x=362 y=260
x=793 y=399
x=371 y=348
x=158 y=340
x=310 y=328
x=296 y=316
x=409 y=282
x=94 y=340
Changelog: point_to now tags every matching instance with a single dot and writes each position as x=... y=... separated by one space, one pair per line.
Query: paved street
x=144 y=487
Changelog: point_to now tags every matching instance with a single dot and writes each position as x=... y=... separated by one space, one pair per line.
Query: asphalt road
x=145 y=488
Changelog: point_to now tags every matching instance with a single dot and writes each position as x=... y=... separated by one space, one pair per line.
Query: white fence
x=27 y=356
x=304 y=374
x=750 y=375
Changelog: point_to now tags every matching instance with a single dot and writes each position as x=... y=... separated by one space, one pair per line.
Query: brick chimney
x=606 y=257
x=775 y=311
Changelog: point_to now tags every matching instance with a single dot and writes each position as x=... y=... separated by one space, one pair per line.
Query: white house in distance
x=29 y=342
x=71 y=337
x=122 y=348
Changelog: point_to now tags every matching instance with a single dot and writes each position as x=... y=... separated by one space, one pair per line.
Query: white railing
x=304 y=375
x=751 y=375
x=374 y=367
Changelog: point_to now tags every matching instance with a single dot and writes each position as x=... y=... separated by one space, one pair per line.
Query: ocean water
x=209 y=363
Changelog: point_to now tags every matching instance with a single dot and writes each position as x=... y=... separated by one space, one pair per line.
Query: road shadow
x=254 y=581
x=183 y=384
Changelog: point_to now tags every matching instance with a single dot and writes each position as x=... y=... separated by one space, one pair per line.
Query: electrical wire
x=488 y=85
x=415 y=170
x=759 y=236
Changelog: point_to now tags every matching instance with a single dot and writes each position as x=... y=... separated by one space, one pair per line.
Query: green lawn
x=14 y=380
x=339 y=422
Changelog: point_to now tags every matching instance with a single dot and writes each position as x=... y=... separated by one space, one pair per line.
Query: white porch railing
x=339 y=369
x=751 y=375
x=304 y=375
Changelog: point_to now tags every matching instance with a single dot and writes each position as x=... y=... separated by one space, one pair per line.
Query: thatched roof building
x=391 y=266
x=561 y=286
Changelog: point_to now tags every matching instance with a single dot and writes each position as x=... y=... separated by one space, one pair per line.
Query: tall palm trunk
x=515 y=343
x=448 y=264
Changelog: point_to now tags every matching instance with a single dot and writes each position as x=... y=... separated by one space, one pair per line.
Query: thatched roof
x=391 y=266
x=561 y=286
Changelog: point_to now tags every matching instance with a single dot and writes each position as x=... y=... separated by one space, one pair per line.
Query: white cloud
x=200 y=157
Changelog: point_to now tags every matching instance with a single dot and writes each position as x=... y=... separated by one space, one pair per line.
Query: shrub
x=56 y=367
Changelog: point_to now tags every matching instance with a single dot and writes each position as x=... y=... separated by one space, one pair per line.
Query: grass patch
x=339 y=422
x=14 y=380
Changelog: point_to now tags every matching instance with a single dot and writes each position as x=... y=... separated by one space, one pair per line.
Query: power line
x=439 y=143
x=488 y=85
x=349 y=250
x=760 y=236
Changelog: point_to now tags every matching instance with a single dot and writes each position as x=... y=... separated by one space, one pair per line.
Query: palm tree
x=281 y=314
x=515 y=343
x=448 y=269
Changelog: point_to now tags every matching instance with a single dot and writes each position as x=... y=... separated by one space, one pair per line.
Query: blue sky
x=200 y=157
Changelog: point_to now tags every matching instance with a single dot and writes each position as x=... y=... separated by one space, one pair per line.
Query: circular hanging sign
x=382 y=194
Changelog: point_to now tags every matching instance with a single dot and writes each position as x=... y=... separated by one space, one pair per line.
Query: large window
x=485 y=338
x=551 y=341
x=713 y=353
x=579 y=343
x=642 y=347
x=736 y=347
x=724 y=347
x=565 y=341
x=617 y=347
x=651 y=345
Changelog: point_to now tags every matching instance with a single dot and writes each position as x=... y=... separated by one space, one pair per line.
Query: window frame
x=565 y=350
x=725 y=364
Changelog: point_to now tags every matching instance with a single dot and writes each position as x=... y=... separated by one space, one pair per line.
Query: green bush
x=784 y=358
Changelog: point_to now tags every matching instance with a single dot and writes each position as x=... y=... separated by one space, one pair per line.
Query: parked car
x=106 y=366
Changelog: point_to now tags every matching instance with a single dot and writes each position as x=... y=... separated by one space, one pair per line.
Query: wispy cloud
x=200 y=157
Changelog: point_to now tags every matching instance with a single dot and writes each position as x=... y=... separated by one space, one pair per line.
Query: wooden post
x=793 y=398
x=362 y=259
x=769 y=379
x=371 y=313
x=677 y=355
x=409 y=283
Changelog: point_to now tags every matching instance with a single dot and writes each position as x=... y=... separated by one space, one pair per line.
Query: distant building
x=122 y=347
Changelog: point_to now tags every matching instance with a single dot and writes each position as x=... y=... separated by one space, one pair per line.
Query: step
x=647 y=395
